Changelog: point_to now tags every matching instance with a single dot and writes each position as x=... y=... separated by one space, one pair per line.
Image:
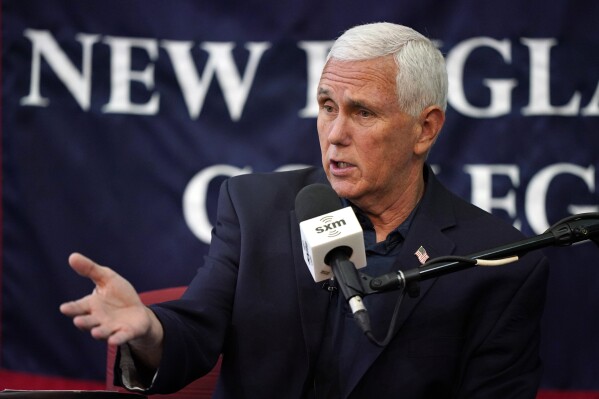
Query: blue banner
x=121 y=118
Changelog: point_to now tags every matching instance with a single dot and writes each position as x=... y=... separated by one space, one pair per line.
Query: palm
x=113 y=311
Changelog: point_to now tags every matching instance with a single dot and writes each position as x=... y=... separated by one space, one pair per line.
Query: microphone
x=333 y=244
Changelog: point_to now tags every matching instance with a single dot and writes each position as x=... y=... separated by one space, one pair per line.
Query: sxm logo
x=330 y=226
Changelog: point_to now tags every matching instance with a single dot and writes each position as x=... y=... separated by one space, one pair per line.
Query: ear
x=431 y=121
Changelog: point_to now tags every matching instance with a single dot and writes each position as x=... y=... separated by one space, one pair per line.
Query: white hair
x=421 y=75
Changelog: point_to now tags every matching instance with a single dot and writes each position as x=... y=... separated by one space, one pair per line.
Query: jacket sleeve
x=195 y=326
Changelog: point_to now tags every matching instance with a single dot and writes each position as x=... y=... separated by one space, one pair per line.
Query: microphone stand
x=577 y=228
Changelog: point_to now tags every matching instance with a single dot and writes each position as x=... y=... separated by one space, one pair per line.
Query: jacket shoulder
x=276 y=185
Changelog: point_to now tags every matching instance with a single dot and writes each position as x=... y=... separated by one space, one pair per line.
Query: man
x=473 y=334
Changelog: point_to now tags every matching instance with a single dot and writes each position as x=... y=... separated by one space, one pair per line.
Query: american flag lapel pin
x=421 y=255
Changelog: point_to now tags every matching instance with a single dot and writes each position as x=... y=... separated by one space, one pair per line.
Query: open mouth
x=342 y=165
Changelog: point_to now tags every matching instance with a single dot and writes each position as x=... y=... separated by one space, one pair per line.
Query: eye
x=327 y=106
x=364 y=113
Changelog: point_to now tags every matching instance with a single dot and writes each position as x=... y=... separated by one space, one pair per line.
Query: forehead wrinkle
x=352 y=103
x=386 y=90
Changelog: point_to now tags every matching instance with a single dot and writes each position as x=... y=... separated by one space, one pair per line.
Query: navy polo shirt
x=380 y=258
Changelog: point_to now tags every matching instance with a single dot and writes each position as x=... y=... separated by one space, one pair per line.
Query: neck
x=387 y=215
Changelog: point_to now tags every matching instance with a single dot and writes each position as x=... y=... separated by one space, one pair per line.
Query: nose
x=339 y=131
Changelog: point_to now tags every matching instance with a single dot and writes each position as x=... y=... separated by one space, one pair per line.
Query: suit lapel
x=435 y=215
x=313 y=298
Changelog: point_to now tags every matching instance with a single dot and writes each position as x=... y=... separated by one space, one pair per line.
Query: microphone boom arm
x=570 y=230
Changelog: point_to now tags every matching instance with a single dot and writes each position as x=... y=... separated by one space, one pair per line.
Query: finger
x=86 y=267
x=86 y=322
x=114 y=336
x=119 y=338
x=75 y=308
x=101 y=332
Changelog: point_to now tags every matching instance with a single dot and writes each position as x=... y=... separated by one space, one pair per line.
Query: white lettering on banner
x=122 y=75
x=221 y=63
x=535 y=195
x=593 y=108
x=481 y=177
x=540 y=96
x=194 y=196
x=500 y=89
x=79 y=84
x=236 y=88
x=316 y=55
x=501 y=102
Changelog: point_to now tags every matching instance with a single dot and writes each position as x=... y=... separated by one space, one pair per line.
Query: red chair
x=199 y=389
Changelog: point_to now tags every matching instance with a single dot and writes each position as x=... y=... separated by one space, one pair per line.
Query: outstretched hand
x=113 y=311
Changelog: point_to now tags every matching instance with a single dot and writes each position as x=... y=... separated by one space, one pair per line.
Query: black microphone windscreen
x=315 y=200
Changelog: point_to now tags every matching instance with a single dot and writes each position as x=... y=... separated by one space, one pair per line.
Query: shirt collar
x=398 y=234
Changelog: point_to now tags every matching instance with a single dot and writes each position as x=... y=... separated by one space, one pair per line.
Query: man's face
x=367 y=142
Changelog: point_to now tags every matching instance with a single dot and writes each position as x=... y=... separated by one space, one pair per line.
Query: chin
x=341 y=188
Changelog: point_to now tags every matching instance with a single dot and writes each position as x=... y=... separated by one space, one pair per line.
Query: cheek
x=400 y=144
x=322 y=136
x=372 y=168
x=372 y=149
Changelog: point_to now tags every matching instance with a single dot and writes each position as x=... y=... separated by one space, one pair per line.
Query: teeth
x=342 y=164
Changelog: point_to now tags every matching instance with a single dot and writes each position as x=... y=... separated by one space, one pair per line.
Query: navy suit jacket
x=470 y=334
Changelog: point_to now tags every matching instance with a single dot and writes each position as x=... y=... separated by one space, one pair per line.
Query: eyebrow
x=351 y=103
x=355 y=104
x=322 y=90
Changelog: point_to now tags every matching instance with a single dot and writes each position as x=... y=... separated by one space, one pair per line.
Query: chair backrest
x=199 y=389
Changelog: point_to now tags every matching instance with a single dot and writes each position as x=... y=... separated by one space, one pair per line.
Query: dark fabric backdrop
x=120 y=119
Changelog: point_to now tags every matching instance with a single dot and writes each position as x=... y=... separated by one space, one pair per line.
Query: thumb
x=86 y=267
